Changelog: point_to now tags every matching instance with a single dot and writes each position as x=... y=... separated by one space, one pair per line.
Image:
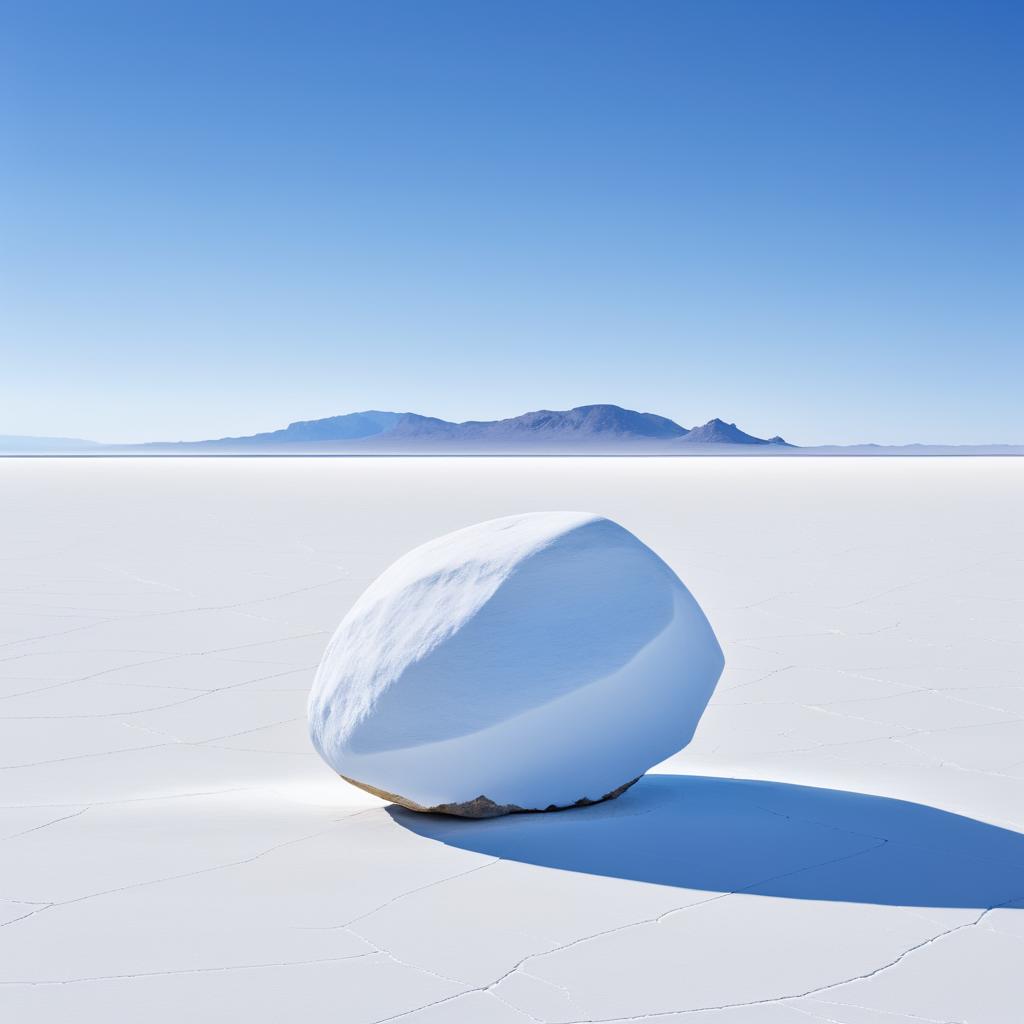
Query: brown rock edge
x=482 y=806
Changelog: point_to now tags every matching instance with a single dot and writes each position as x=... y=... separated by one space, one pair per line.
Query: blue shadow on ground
x=773 y=839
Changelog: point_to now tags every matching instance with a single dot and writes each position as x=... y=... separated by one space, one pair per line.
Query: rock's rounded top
x=488 y=626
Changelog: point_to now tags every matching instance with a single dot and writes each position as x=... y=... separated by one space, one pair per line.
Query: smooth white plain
x=172 y=848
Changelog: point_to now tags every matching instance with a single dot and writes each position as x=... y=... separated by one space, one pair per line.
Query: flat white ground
x=172 y=850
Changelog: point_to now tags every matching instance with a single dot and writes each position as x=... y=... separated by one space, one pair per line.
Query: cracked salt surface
x=840 y=842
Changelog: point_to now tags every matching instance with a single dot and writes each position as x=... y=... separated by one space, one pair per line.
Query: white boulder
x=528 y=663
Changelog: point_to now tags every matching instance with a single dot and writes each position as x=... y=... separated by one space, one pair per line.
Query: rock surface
x=533 y=662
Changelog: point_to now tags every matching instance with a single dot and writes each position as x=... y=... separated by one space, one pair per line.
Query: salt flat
x=841 y=841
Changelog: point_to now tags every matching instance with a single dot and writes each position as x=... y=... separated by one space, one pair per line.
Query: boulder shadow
x=729 y=835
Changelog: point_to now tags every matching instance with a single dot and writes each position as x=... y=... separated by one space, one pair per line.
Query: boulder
x=535 y=662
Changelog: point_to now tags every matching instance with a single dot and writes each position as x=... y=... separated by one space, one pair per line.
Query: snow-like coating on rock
x=527 y=663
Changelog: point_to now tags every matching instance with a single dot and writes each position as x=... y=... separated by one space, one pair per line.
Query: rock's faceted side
x=535 y=662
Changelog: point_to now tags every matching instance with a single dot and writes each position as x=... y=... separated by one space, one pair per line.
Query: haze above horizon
x=222 y=218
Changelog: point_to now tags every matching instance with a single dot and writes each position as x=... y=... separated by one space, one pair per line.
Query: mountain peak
x=717 y=431
x=581 y=423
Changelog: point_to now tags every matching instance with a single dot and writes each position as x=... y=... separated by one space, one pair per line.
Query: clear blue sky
x=806 y=217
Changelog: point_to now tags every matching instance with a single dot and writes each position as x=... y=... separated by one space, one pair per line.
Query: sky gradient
x=219 y=217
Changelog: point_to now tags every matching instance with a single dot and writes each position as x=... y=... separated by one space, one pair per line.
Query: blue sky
x=805 y=217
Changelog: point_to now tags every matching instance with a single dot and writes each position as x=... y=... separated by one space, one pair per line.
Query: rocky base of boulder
x=483 y=806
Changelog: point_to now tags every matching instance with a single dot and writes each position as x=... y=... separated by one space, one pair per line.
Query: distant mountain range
x=585 y=430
